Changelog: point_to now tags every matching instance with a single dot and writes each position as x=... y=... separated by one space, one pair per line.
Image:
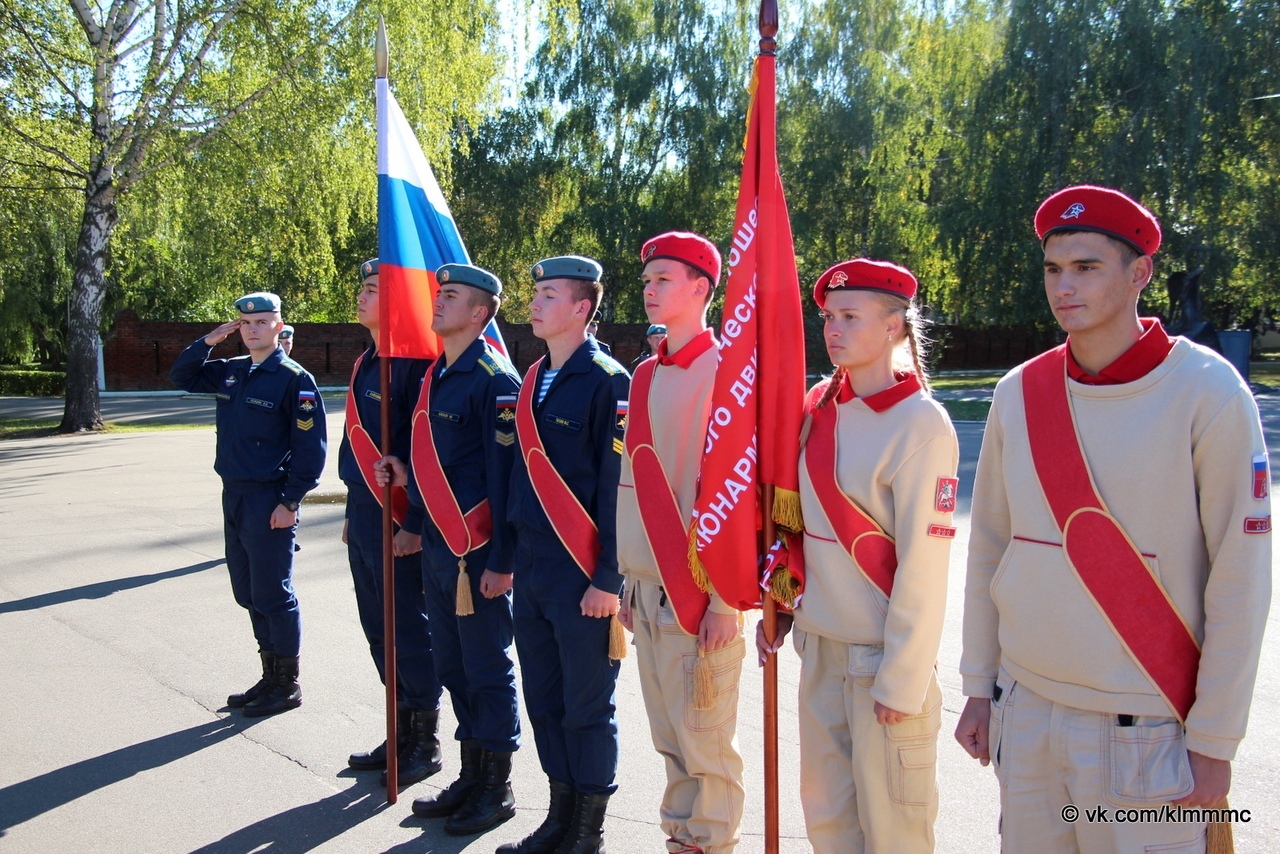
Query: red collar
x=907 y=385
x=689 y=353
x=1134 y=364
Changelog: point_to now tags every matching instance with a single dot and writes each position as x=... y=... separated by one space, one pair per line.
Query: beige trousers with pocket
x=864 y=787
x=1060 y=767
x=702 y=804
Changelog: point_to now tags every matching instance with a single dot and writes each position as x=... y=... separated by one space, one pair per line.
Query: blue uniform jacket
x=406 y=382
x=271 y=423
x=473 y=421
x=581 y=425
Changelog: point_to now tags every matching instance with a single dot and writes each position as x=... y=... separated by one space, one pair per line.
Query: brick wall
x=137 y=354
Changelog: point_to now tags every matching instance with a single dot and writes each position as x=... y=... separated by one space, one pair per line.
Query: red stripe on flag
x=405 y=298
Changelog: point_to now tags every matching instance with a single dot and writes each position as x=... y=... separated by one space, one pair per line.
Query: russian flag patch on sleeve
x=1261 y=477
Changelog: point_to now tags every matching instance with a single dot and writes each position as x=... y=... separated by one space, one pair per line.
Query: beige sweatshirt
x=889 y=463
x=679 y=406
x=1172 y=456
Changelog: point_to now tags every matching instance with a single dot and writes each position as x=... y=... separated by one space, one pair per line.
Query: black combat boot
x=239 y=701
x=553 y=830
x=490 y=803
x=419 y=755
x=373 y=760
x=586 y=836
x=453 y=797
x=285 y=693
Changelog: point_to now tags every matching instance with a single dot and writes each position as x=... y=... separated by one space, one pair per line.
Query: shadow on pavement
x=102 y=589
x=30 y=798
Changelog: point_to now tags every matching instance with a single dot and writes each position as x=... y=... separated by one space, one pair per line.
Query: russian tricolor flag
x=416 y=234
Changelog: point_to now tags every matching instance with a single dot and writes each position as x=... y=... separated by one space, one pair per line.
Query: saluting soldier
x=674 y=620
x=417 y=686
x=1120 y=559
x=458 y=477
x=570 y=418
x=270 y=453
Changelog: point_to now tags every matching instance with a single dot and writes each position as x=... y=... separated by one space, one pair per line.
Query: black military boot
x=419 y=755
x=490 y=803
x=239 y=701
x=552 y=830
x=285 y=693
x=453 y=797
x=586 y=836
x=373 y=760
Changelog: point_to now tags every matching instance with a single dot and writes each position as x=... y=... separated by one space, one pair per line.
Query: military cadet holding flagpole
x=418 y=687
x=1120 y=558
x=877 y=489
x=271 y=443
x=570 y=418
x=458 y=477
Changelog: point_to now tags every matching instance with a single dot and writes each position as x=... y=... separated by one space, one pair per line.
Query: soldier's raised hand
x=220 y=334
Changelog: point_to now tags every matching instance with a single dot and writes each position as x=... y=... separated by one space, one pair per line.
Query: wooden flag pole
x=768 y=25
x=381 y=62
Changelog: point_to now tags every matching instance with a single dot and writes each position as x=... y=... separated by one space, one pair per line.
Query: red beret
x=863 y=274
x=693 y=249
x=1109 y=212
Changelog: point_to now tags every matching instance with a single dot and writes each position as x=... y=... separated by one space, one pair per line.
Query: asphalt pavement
x=119 y=642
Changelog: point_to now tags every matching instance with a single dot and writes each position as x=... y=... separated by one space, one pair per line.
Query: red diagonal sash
x=366 y=453
x=462 y=533
x=866 y=542
x=664 y=527
x=570 y=520
x=1097 y=549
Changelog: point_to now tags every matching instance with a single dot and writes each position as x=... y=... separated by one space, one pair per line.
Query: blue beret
x=257 y=303
x=465 y=274
x=568 y=267
x=369 y=268
x=656 y=329
x=287 y=332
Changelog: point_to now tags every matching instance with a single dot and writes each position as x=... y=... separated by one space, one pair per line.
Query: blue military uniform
x=476 y=445
x=270 y=450
x=418 y=687
x=569 y=681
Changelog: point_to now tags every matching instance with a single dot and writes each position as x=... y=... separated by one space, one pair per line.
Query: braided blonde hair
x=912 y=360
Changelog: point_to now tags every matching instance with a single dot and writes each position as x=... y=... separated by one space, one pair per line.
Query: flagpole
x=381 y=61
x=768 y=26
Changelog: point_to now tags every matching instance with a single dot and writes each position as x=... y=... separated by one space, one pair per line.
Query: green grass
x=967 y=410
x=1266 y=373
x=971 y=379
x=38 y=428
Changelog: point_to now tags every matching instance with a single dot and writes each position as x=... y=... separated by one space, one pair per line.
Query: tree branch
x=39 y=51
x=85 y=16
x=77 y=170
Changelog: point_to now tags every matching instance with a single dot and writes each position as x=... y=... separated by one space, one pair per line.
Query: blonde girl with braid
x=877 y=488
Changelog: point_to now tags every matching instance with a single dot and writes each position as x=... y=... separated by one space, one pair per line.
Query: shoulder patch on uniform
x=942 y=531
x=505 y=438
x=944 y=501
x=1260 y=525
x=307 y=401
x=306 y=423
x=488 y=365
x=1261 y=477
x=506 y=406
x=293 y=366
x=617 y=446
x=621 y=422
x=611 y=366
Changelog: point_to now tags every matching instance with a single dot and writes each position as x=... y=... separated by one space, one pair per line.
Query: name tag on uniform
x=451 y=417
x=561 y=421
x=257 y=401
x=372 y=395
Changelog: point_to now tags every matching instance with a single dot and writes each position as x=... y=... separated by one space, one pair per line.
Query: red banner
x=758 y=400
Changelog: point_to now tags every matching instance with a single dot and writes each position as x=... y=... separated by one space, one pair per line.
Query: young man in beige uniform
x=674 y=623
x=1120 y=559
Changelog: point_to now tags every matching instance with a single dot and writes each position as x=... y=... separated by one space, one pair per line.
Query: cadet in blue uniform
x=270 y=453
x=286 y=340
x=417 y=687
x=460 y=463
x=572 y=408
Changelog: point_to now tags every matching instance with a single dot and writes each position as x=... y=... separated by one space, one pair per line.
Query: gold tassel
x=783 y=587
x=1219 y=838
x=786 y=509
x=465 y=607
x=695 y=564
x=703 y=687
x=617 y=639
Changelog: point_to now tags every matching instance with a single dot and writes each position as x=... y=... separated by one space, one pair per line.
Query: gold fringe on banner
x=703 y=687
x=617 y=639
x=786 y=510
x=784 y=588
x=1219 y=837
x=464 y=606
x=695 y=564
